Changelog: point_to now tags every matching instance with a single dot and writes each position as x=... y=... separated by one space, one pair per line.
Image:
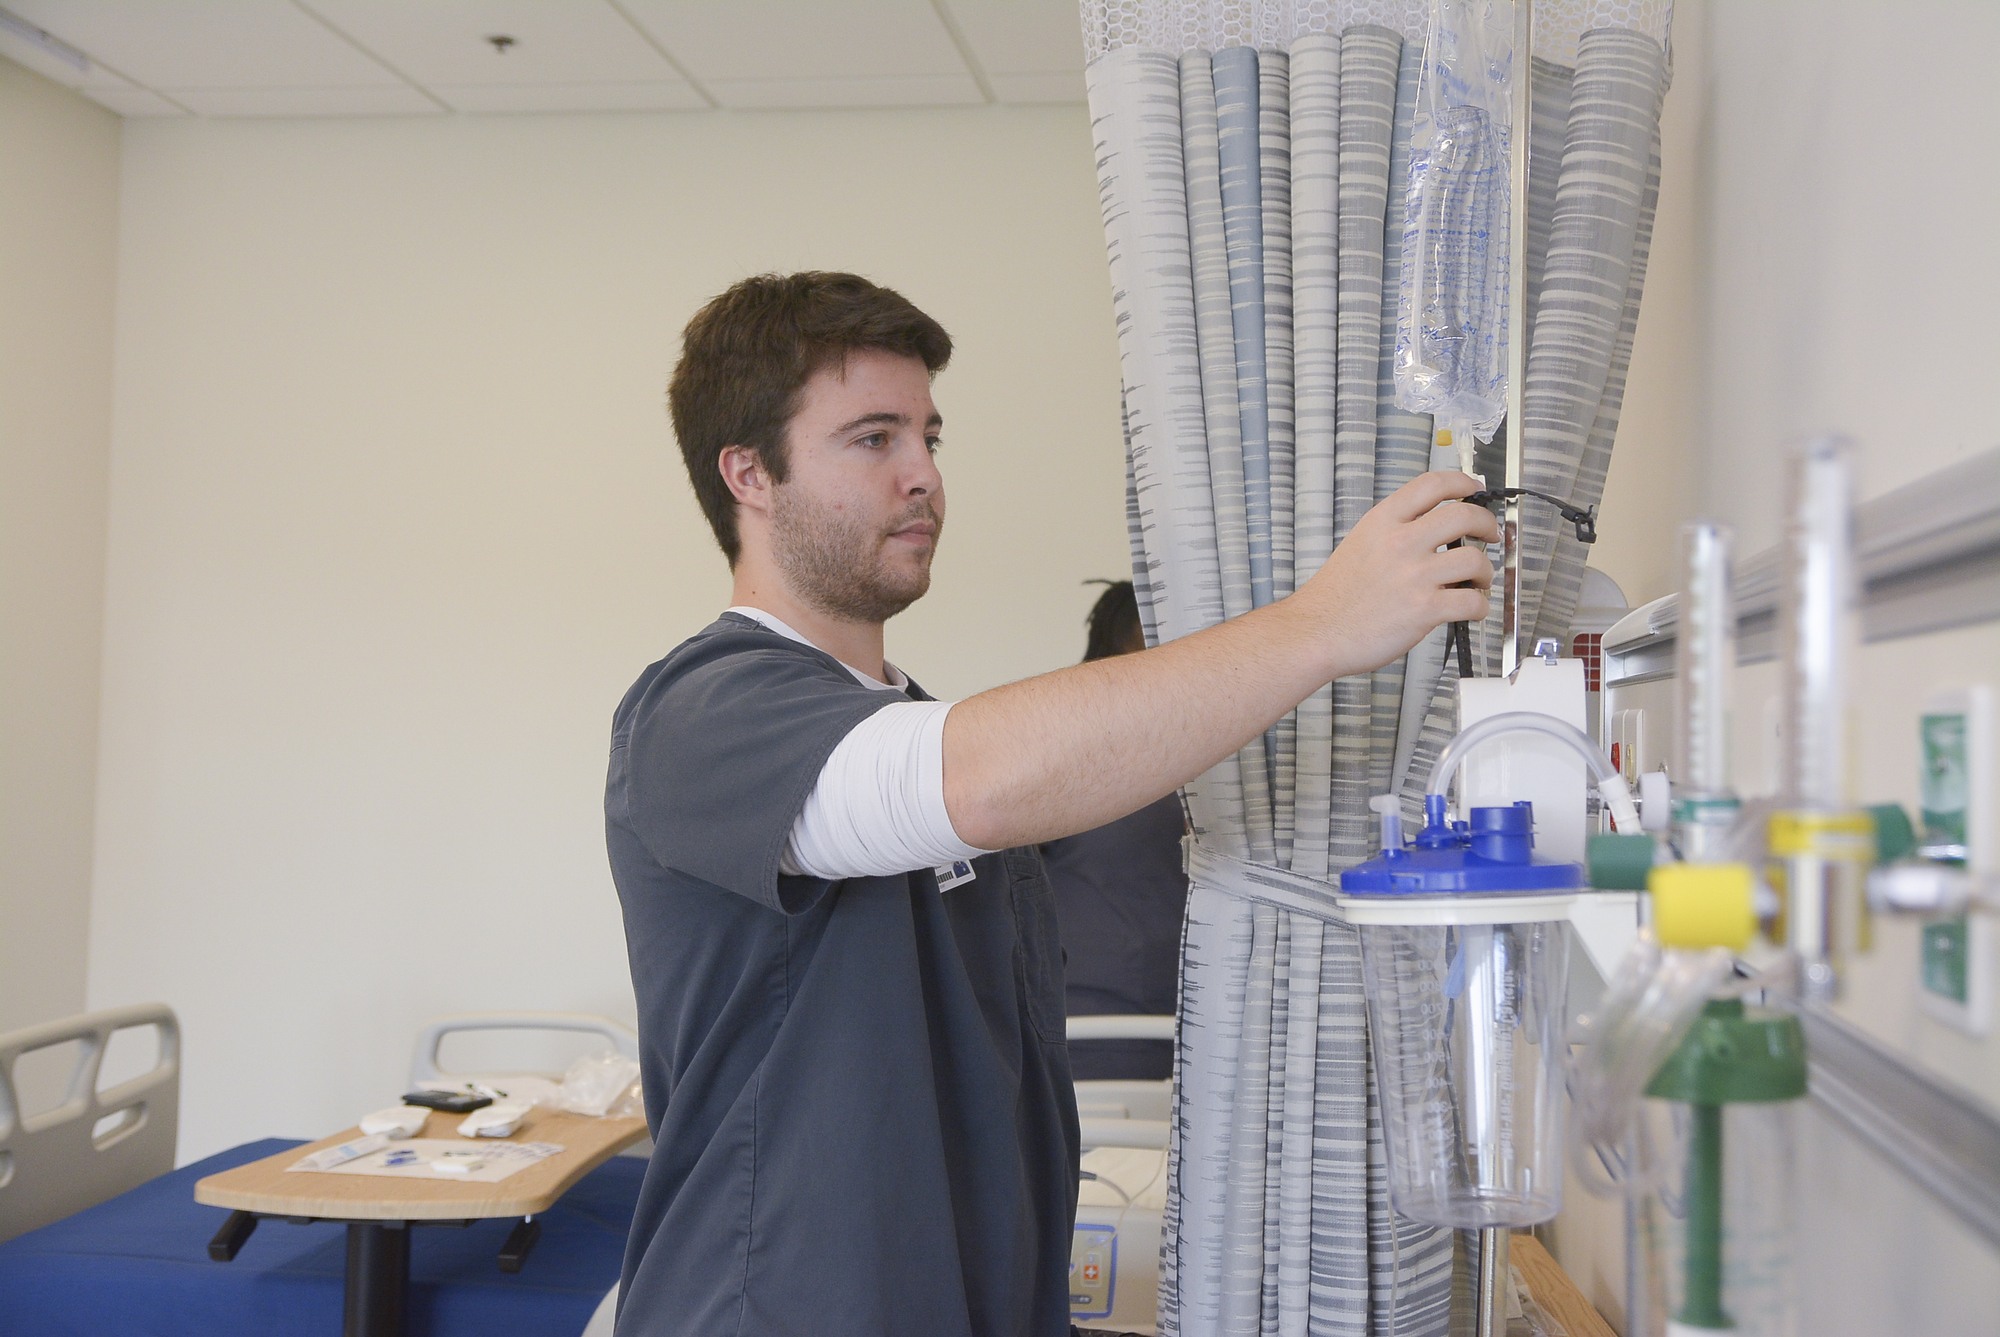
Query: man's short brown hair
x=747 y=355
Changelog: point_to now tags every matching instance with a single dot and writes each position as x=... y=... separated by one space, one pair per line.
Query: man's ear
x=743 y=473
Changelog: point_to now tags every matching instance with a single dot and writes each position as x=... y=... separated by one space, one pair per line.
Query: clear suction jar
x=1466 y=1023
x=1465 y=957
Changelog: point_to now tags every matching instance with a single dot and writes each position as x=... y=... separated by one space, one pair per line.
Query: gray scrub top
x=858 y=1090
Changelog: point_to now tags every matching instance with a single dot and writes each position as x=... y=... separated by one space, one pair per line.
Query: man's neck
x=857 y=644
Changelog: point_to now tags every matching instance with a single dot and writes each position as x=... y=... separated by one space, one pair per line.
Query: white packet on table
x=597 y=1084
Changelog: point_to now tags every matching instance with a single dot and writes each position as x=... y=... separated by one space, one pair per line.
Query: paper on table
x=420 y=1158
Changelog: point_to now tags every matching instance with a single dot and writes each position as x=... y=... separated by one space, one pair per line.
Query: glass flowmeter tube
x=1821 y=846
x=1818 y=625
x=1705 y=803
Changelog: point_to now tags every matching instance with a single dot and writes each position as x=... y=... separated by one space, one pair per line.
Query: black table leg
x=520 y=1240
x=228 y=1241
x=378 y=1278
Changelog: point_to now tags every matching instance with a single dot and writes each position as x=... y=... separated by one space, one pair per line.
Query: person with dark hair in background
x=1113 y=623
x=1120 y=894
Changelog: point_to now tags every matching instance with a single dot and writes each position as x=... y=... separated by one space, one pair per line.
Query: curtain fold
x=1252 y=158
x=1370 y=61
x=1588 y=294
x=1315 y=89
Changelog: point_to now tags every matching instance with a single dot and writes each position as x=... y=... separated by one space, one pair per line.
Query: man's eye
x=933 y=444
x=874 y=440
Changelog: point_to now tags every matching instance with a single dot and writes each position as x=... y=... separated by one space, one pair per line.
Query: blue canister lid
x=1492 y=853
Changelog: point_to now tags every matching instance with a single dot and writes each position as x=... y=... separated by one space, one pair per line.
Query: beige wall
x=397 y=517
x=58 y=245
x=1848 y=270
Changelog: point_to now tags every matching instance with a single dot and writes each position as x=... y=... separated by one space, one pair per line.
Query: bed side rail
x=94 y=1144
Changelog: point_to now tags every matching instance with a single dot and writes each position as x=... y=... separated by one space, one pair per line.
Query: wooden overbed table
x=1555 y=1292
x=380 y=1211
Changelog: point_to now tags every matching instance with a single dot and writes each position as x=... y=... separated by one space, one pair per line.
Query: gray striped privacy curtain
x=1252 y=160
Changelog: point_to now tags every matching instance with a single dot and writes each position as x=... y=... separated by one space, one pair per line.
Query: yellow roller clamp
x=1703 y=905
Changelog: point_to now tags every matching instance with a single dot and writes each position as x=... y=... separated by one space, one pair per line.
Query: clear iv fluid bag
x=1451 y=303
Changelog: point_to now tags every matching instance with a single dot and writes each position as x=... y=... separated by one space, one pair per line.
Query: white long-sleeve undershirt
x=877 y=808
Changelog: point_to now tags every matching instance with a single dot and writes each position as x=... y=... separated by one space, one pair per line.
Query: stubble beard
x=835 y=564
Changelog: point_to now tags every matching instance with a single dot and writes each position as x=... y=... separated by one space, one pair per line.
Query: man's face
x=857 y=519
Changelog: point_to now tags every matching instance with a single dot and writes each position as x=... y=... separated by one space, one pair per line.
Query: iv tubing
x=1610 y=783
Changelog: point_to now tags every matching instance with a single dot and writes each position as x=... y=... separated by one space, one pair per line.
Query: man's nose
x=921 y=476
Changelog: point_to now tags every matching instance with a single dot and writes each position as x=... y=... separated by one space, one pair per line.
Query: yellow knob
x=1703 y=905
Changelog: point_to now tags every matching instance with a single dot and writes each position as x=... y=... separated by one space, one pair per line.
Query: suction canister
x=1465 y=952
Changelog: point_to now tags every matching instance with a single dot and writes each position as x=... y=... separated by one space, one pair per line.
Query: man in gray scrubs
x=842 y=944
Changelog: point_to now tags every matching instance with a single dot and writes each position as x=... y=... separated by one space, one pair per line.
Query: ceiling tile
x=402 y=100
x=785 y=39
x=923 y=90
x=379 y=57
x=211 y=44
x=130 y=100
x=1020 y=36
x=437 y=42
x=1023 y=89
x=660 y=96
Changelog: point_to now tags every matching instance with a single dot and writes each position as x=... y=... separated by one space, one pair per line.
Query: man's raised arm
x=1071 y=750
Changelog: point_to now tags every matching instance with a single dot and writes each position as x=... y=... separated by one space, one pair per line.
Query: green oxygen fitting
x=1733 y=1055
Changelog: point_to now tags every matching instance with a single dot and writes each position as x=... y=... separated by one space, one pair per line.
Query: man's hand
x=1074 y=749
x=1387 y=585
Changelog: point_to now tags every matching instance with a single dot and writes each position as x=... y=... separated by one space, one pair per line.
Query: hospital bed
x=105 y=1220
x=1115 y=1251
x=107 y=1237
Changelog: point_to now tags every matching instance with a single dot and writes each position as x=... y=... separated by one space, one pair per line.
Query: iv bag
x=1451 y=305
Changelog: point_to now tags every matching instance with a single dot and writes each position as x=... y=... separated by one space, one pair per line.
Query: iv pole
x=1517 y=327
x=1494 y=1271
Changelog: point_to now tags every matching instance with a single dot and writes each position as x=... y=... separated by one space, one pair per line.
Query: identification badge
x=954 y=874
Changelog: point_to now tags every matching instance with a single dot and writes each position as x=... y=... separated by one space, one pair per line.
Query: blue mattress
x=138 y=1266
